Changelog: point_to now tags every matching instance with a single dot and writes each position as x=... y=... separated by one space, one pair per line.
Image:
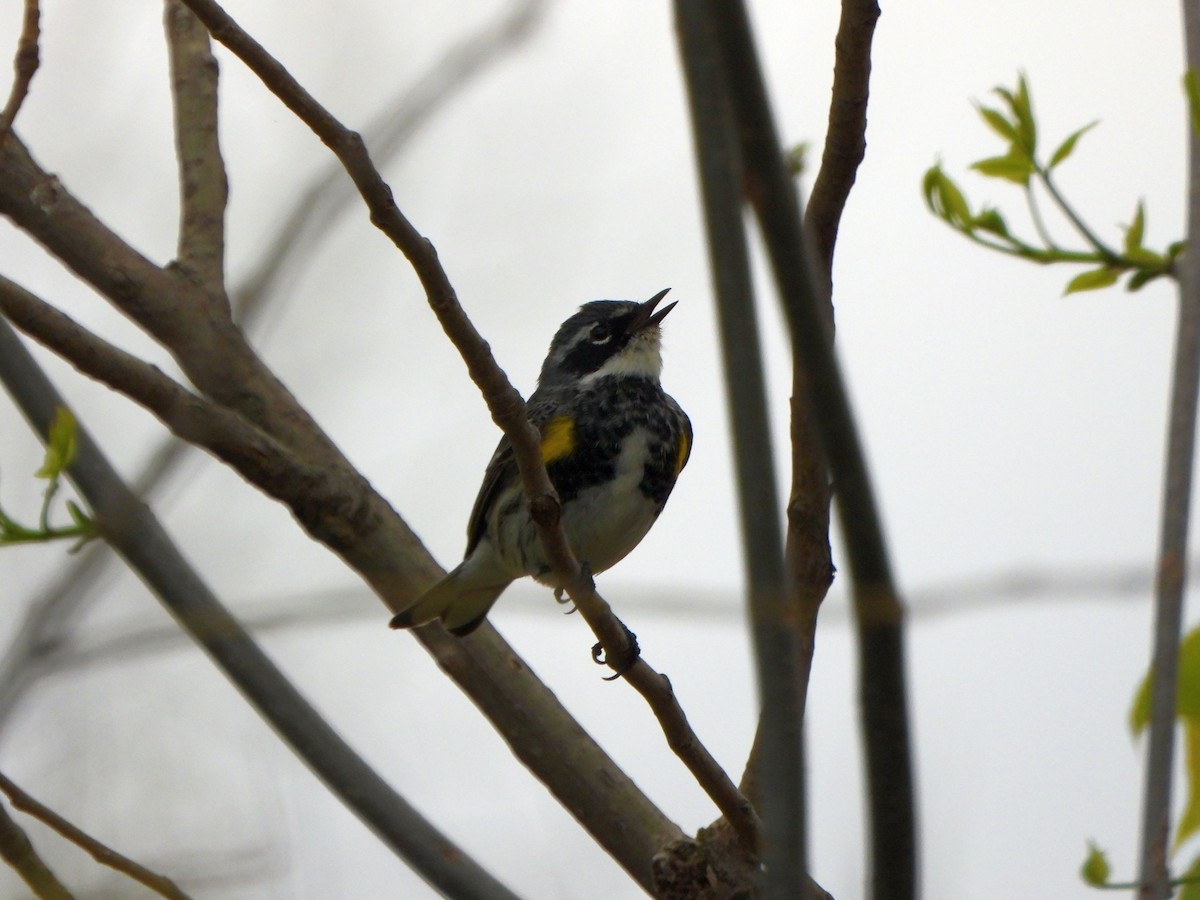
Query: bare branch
x=18 y=852
x=103 y=854
x=845 y=139
x=203 y=186
x=25 y=64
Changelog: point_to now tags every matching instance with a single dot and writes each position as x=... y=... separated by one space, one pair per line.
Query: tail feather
x=461 y=605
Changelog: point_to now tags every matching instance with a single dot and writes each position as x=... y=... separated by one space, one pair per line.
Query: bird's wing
x=502 y=469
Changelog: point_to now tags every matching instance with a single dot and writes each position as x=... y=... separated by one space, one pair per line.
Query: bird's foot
x=625 y=662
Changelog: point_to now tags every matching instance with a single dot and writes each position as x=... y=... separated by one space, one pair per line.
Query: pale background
x=1011 y=432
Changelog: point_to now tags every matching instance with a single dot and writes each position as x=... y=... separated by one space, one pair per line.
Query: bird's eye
x=600 y=333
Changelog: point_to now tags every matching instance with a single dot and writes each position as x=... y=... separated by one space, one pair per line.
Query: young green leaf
x=1095 y=869
x=1136 y=230
x=1022 y=107
x=1015 y=167
x=1092 y=280
x=1191 y=86
x=797 y=158
x=1067 y=147
x=60 y=445
x=997 y=121
x=1187 y=697
x=945 y=199
x=991 y=221
x=1143 y=277
x=1190 y=882
x=1189 y=820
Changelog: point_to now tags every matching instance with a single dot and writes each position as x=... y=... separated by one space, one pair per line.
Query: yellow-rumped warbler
x=613 y=443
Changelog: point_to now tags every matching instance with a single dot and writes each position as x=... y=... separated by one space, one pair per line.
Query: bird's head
x=607 y=337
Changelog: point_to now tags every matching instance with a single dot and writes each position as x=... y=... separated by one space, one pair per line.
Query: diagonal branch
x=203 y=186
x=337 y=506
x=504 y=402
x=102 y=853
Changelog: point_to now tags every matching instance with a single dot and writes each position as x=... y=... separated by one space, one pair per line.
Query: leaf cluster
x=61 y=445
x=1014 y=122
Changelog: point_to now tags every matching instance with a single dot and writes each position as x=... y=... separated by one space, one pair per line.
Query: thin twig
x=103 y=854
x=139 y=538
x=25 y=64
x=1109 y=254
x=878 y=607
x=1154 y=873
x=504 y=402
x=846 y=136
x=18 y=851
x=203 y=186
x=387 y=133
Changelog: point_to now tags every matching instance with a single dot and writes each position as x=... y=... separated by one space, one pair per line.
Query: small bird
x=613 y=443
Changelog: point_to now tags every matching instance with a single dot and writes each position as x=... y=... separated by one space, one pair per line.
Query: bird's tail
x=460 y=604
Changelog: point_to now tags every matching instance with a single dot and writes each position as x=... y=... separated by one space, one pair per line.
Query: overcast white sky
x=1009 y=429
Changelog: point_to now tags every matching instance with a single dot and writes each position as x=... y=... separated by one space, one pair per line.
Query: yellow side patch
x=558 y=440
x=681 y=457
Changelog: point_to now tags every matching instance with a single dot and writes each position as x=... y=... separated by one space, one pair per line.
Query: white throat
x=641 y=358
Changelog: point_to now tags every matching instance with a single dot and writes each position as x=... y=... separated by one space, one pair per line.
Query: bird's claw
x=625 y=662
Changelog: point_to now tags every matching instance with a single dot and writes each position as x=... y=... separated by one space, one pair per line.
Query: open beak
x=646 y=317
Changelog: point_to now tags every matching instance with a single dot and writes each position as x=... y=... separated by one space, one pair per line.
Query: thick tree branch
x=103 y=854
x=135 y=533
x=203 y=186
x=171 y=307
x=25 y=64
x=878 y=607
x=46 y=621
